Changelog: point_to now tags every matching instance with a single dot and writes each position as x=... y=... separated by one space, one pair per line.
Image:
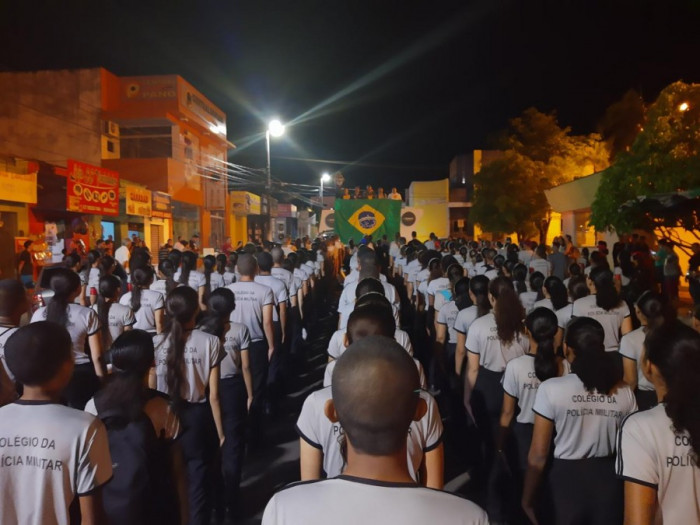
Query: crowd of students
x=132 y=398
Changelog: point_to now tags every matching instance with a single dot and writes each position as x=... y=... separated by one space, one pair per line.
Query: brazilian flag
x=355 y=218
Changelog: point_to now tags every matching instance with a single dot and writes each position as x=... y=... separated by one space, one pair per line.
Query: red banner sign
x=92 y=190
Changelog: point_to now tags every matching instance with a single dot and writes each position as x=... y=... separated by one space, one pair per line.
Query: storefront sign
x=193 y=102
x=91 y=189
x=286 y=210
x=161 y=206
x=245 y=203
x=18 y=187
x=138 y=201
x=149 y=88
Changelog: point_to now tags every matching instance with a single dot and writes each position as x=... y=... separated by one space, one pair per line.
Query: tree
x=539 y=154
x=664 y=158
x=622 y=122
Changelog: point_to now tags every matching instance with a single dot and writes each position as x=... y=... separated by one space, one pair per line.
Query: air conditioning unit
x=110 y=128
x=110 y=147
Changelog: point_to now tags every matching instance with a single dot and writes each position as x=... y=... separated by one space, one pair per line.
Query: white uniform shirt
x=354 y=276
x=352 y=500
x=229 y=277
x=650 y=453
x=564 y=315
x=151 y=302
x=465 y=318
x=631 y=347
x=119 y=317
x=317 y=430
x=447 y=316
x=251 y=297
x=5 y=333
x=544 y=303
x=528 y=300
x=540 y=265
x=441 y=291
x=236 y=340
x=336 y=345
x=346 y=303
x=482 y=339
x=586 y=422
x=283 y=275
x=202 y=353
x=216 y=280
x=82 y=323
x=611 y=320
x=93 y=280
x=279 y=291
x=50 y=454
x=195 y=279
x=159 y=286
x=520 y=382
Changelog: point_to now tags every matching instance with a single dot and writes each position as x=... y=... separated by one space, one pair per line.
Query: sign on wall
x=245 y=203
x=91 y=189
x=161 y=206
x=138 y=201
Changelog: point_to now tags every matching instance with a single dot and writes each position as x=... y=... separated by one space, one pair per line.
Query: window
x=151 y=142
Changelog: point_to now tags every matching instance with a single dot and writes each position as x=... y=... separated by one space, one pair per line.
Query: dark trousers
x=234 y=413
x=82 y=386
x=275 y=372
x=586 y=491
x=258 y=368
x=199 y=448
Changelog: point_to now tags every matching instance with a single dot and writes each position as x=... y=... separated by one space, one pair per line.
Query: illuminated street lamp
x=683 y=107
x=274 y=129
x=324 y=178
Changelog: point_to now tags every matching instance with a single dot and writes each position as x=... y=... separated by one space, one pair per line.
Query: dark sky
x=397 y=86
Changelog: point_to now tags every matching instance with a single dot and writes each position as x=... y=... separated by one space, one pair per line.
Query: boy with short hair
x=375 y=398
x=50 y=453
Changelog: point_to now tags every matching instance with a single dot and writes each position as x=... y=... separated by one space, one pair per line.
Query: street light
x=275 y=129
x=684 y=107
x=324 y=178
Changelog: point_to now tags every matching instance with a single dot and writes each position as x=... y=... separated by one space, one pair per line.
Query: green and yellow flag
x=359 y=217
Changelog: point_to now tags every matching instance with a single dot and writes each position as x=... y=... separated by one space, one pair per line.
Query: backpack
x=128 y=498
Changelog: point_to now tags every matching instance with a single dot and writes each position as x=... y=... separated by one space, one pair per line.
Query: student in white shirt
x=652 y=312
x=147 y=305
x=221 y=262
x=585 y=408
x=446 y=334
x=375 y=415
x=189 y=276
x=166 y=278
x=187 y=368
x=520 y=276
x=59 y=454
x=535 y=293
x=126 y=399
x=13 y=305
x=658 y=448
x=577 y=289
x=539 y=262
x=479 y=295
x=212 y=279
x=492 y=341
x=82 y=325
x=236 y=387
x=605 y=305
x=92 y=271
x=523 y=377
x=114 y=318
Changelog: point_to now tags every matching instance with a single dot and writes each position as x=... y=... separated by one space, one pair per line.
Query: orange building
x=161 y=134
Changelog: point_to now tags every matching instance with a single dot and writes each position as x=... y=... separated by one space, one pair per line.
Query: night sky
x=393 y=88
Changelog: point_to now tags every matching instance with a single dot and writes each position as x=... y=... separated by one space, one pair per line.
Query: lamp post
x=274 y=129
x=324 y=178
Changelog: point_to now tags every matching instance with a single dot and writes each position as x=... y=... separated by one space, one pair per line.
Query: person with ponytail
x=577 y=288
x=212 y=278
x=652 y=312
x=188 y=275
x=658 y=449
x=83 y=325
x=236 y=389
x=146 y=304
x=221 y=262
x=447 y=316
x=114 y=318
x=231 y=273
x=492 y=341
x=440 y=288
x=555 y=295
x=166 y=278
x=92 y=272
x=479 y=295
x=534 y=294
x=187 y=366
x=73 y=262
x=605 y=306
x=125 y=400
x=520 y=278
x=523 y=377
x=586 y=409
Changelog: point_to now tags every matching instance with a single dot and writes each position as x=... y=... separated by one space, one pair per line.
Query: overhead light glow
x=325 y=177
x=276 y=128
x=684 y=106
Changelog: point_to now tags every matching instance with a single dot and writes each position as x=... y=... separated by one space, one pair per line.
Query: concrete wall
x=51 y=116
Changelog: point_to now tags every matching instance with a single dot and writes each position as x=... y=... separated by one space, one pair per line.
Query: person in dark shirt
x=25 y=267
